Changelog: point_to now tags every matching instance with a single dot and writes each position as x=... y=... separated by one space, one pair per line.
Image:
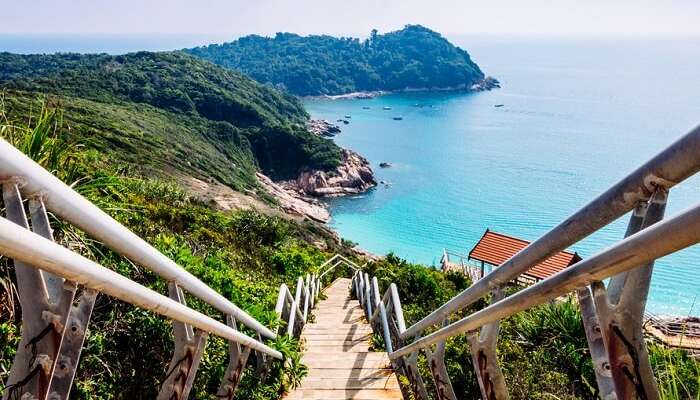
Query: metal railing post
x=61 y=292
x=291 y=331
x=361 y=289
x=368 y=297
x=436 y=363
x=306 y=304
x=409 y=364
x=282 y=309
x=483 y=349
x=596 y=344
x=620 y=310
x=262 y=362
x=189 y=347
x=52 y=330
x=237 y=359
x=591 y=320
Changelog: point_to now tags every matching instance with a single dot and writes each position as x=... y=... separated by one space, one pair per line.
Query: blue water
x=578 y=116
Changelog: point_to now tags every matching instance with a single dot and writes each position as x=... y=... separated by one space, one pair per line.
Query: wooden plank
x=387 y=382
x=337 y=354
x=354 y=394
x=346 y=360
x=349 y=373
x=347 y=347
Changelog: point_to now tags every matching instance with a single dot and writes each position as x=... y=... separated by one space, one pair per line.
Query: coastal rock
x=353 y=175
x=355 y=95
x=360 y=252
x=487 y=83
x=322 y=127
x=292 y=202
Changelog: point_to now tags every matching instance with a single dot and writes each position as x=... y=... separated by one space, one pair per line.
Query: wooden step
x=370 y=360
x=386 y=382
x=345 y=394
x=350 y=373
x=337 y=346
x=336 y=336
x=340 y=365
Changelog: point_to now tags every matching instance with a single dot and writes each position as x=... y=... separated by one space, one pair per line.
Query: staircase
x=341 y=365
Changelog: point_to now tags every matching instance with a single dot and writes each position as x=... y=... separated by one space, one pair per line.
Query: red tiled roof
x=495 y=248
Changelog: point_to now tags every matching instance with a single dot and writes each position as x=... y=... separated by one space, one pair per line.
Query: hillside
x=171 y=112
x=414 y=57
x=244 y=255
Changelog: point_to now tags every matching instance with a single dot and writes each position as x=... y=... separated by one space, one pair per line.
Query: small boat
x=386 y=108
x=365 y=108
x=348 y=116
x=498 y=105
x=399 y=118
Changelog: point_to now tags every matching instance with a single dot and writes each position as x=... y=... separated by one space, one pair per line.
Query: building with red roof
x=495 y=248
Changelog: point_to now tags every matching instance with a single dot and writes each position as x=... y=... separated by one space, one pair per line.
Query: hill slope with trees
x=414 y=57
x=171 y=111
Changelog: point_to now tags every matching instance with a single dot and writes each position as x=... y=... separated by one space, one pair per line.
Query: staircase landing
x=341 y=366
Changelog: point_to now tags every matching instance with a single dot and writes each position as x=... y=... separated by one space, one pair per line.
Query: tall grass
x=677 y=373
x=39 y=139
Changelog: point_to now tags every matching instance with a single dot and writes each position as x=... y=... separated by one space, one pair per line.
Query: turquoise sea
x=577 y=116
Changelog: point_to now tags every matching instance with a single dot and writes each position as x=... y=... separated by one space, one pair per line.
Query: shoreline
x=486 y=84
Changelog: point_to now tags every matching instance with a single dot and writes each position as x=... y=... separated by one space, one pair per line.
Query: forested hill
x=171 y=111
x=413 y=57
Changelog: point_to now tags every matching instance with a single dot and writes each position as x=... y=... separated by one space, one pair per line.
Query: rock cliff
x=354 y=175
x=295 y=203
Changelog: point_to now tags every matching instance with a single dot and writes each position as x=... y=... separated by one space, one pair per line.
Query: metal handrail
x=666 y=169
x=56 y=315
x=295 y=308
x=340 y=260
x=658 y=240
x=26 y=246
x=612 y=316
x=66 y=203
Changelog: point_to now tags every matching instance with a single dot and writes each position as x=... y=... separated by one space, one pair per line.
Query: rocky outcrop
x=487 y=83
x=352 y=176
x=293 y=202
x=322 y=127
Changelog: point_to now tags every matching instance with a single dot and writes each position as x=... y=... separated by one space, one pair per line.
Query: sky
x=232 y=18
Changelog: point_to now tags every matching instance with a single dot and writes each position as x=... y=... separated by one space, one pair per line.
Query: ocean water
x=578 y=115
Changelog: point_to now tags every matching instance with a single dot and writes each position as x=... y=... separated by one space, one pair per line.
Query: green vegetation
x=414 y=57
x=245 y=256
x=543 y=351
x=170 y=112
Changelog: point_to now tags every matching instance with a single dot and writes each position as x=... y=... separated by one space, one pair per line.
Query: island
x=413 y=58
